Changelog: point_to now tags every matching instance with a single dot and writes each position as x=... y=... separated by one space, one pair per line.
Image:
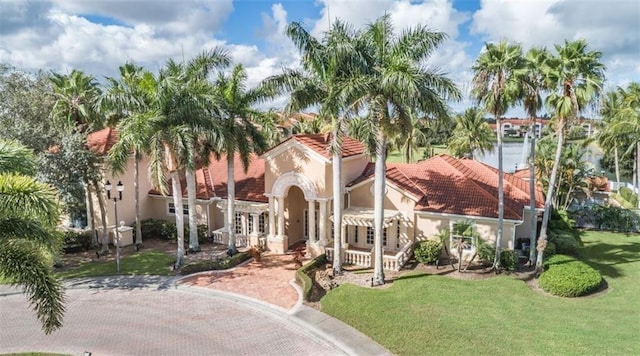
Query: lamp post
x=120 y=189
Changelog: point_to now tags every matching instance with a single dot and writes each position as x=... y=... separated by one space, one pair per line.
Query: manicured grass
x=396 y=156
x=424 y=314
x=142 y=263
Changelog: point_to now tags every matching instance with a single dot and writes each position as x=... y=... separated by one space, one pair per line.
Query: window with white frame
x=356 y=234
x=306 y=223
x=251 y=227
x=262 y=218
x=398 y=234
x=238 y=223
x=172 y=209
x=384 y=237
x=369 y=235
x=462 y=237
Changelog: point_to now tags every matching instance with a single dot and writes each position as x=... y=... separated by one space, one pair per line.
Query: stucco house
x=285 y=199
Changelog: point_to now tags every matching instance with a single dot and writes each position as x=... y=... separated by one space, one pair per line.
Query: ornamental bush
x=215 y=264
x=550 y=249
x=509 y=259
x=565 y=243
x=74 y=241
x=566 y=276
x=428 y=252
x=166 y=230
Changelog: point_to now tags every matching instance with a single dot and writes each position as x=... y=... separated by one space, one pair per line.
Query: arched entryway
x=294 y=214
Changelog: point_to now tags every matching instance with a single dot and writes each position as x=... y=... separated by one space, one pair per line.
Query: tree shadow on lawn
x=606 y=257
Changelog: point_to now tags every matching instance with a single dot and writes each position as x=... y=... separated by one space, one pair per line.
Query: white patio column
x=272 y=216
x=244 y=230
x=280 y=216
x=323 y=222
x=312 y=221
x=255 y=217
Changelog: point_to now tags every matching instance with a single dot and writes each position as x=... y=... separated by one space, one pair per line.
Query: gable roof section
x=101 y=141
x=211 y=181
x=444 y=184
x=320 y=144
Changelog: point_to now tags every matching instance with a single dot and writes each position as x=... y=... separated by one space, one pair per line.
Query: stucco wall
x=427 y=226
x=296 y=160
x=394 y=200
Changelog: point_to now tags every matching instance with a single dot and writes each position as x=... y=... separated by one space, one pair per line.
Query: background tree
x=394 y=82
x=495 y=86
x=574 y=77
x=77 y=98
x=29 y=213
x=471 y=134
x=410 y=140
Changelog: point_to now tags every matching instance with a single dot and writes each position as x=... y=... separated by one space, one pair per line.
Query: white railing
x=395 y=262
x=242 y=241
x=329 y=252
x=219 y=235
x=616 y=186
x=358 y=258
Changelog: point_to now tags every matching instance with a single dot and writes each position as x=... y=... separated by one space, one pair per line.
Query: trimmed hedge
x=166 y=230
x=566 y=276
x=303 y=278
x=428 y=252
x=509 y=259
x=565 y=242
x=213 y=265
x=73 y=241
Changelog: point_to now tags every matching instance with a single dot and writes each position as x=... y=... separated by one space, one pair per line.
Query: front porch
x=391 y=260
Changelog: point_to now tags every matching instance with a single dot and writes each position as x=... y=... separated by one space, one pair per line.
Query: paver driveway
x=182 y=321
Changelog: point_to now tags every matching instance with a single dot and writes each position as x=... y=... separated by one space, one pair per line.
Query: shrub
x=629 y=196
x=566 y=276
x=303 y=278
x=166 y=230
x=428 y=252
x=565 y=243
x=486 y=253
x=218 y=264
x=550 y=249
x=509 y=260
x=74 y=241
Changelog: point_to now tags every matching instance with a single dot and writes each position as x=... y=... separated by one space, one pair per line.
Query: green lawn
x=396 y=156
x=427 y=314
x=142 y=263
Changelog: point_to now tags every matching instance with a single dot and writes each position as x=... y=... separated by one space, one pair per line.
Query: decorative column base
x=278 y=244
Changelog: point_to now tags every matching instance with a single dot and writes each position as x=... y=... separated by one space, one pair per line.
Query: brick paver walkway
x=267 y=280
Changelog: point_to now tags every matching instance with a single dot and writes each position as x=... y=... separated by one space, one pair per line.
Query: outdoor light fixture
x=120 y=189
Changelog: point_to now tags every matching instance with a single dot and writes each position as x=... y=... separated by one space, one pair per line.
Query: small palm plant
x=464 y=237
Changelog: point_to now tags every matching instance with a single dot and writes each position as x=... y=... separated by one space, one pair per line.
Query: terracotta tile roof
x=320 y=144
x=444 y=184
x=101 y=141
x=211 y=181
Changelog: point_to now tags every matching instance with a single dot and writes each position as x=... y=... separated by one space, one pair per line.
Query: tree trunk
x=103 y=217
x=617 y=163
x=496 y=261
x=193 y=224
x=379 y=183
x=532 y=199
x=92 y=215
x=176 y=186
x=231 y=199
x=542 y=243
x=638 y=170
x=136 y=188
x=338 y=205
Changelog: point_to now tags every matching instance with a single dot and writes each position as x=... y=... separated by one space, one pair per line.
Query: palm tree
x=531 y=86
x=409 y=139
x=472 y=134
x=238 y=134
x=130 y=98
x=393 y=83
x=29 y=213
x=327 y=68
x=76 y=110
x=574 y=77
x=607 y=138
x=495 y=84
x=77 y=98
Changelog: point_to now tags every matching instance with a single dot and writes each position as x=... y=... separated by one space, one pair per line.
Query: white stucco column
x=312 y=221
x=280 y=216
x=255 y=217
x=244 y=230
x=272 y=216
x=323 y=223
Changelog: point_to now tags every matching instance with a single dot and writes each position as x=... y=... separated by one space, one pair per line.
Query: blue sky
x=99 y=35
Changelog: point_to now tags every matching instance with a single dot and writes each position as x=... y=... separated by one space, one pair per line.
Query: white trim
x=285 y=146
x=170 y=198
x=456 y=216
x=288 y=179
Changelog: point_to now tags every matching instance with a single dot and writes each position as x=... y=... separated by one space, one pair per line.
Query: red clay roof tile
x=320 y=144
x=101 y=141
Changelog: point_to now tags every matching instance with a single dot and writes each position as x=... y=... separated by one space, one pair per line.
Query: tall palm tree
x=29 y=213
x=238 y=134
x=77 y=96
x=531 y=87
x=130 y=97
x=608 y=138
x=472 y=134
x=394 y=82
x=409 y=139
x=328 y=65
x=495 y=84
x=574 y=77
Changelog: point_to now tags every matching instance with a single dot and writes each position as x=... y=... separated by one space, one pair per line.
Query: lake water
x=514 y=154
